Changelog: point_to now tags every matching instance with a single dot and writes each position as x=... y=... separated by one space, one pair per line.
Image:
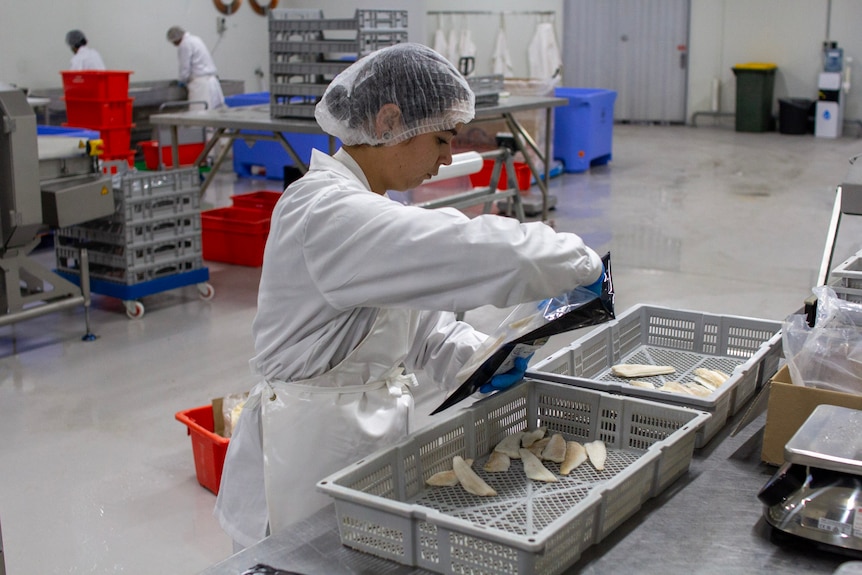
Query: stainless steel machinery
x=42 y=186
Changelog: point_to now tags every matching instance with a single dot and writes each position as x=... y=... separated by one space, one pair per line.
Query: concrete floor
x=98 y=476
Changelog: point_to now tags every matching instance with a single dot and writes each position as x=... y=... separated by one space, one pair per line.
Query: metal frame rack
x=306 y=52
x=152 y=242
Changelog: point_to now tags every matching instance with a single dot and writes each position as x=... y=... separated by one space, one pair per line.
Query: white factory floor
x=96 y=475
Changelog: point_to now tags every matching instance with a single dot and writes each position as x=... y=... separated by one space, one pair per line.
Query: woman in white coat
x=358 y=291
x=197 y=70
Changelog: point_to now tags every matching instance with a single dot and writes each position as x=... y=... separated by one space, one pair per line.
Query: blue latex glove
x=596 y=286
x=509 y=378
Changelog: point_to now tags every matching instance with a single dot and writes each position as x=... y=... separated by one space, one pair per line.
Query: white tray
x=384 y=507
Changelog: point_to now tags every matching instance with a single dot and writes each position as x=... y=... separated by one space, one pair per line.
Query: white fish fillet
x=640 y=369
x=697 y=389
x=556 y=449
x=597 y=452
x=538 y=447
x=713 y=376
x=497 y=462
x=471 y=482
x=575 y=455
x=640 y=383
x=531 y=437
x=534 y=469
x=675 y=387
x=445 y=478
x=510 y=445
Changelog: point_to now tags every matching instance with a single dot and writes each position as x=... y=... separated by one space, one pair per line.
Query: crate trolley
x=152 y=243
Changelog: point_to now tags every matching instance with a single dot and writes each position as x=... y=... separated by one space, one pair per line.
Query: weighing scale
x=817 y=493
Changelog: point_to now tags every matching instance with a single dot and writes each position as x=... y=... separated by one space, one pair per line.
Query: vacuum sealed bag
x=528 y=328
x=829 y=354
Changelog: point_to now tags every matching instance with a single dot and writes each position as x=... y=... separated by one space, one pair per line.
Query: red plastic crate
x=128 y=156
x=209 y=449
x=235 y=235
x=116 y=140
x=262 y=200
x=188 y=154
x=97 y=113
x=96 y=84
x=483 y=177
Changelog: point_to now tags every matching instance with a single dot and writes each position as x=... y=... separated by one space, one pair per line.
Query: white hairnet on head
x=429 y=92
x=175 y=34
x=75 y=38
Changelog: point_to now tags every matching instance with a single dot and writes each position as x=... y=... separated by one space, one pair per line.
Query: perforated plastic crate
x=68 y=261
x=385 y=508
x=142 y=254
x=748 y=349
x=849 y=272
x=107 y=231
x=147 y=209
x=150 y=184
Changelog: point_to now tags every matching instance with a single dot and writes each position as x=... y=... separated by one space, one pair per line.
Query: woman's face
x=419 y=158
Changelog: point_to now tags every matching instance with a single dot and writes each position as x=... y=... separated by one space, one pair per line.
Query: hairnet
x=175 y=34
x=429 y=92
x=75 y=38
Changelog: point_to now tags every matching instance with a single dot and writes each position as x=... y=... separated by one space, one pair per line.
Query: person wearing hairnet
x=197 y=70
x=357 y=291
x=85 y=58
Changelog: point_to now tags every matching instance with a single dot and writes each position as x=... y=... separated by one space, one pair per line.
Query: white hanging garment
x=544 y=53
x=441 y=44
x=502 y=60
x=452 y=54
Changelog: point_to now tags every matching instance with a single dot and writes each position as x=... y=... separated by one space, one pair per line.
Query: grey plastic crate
x=133 y=185
x=107 y=231
x=142 y=254
x=291 y=68
x=384 y=507
x=288 y=20
x=849 y=273
x=158 y=207
x=746 y=348
x=68 y=261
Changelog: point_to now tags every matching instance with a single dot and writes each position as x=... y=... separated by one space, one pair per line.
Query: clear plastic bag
x=527 y=328
x=828 y=355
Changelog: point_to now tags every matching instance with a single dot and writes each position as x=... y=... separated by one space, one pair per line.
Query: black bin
x=794 y=115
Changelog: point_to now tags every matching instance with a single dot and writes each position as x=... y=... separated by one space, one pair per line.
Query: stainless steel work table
x=708 y=521
x=242 y=122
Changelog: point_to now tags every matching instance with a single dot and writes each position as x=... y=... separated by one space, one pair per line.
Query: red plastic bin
x=116 y=140
x=97 y=113
x=209 y=449
x=262 y=200
x=235 y=235
x=483 y=177
x=96 y=84
x=188 y=154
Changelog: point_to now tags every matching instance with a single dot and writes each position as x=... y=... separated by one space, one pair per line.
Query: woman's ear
x=387 y=121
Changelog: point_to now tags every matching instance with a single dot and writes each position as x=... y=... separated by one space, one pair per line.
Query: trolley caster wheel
x=206 y=291
x=134 y=309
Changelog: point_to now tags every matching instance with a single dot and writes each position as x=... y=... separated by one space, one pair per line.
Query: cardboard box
x=789 y=406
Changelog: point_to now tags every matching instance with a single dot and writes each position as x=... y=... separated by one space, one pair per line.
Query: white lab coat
x=198 y=71
x=544 y=54
x=86 y=58
x=345 y=273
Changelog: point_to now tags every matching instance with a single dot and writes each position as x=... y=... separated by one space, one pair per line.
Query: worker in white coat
x=197 y=70
x=358 y=291
x=85 y=58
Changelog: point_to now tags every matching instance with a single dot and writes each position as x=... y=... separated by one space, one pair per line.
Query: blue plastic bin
x=263 y=159
x=583 y=129
x=82 y=133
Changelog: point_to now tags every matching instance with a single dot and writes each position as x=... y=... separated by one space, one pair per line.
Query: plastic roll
x=463 y=164
x=716 y=90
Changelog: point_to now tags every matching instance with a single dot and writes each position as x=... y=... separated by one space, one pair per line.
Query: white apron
x=293 y=434
x=205 y=89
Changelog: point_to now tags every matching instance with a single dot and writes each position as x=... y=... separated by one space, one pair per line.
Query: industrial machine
x=816 y=494
x=45 y=183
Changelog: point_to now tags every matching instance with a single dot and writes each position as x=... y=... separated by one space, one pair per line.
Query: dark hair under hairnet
x=75 y=38
x=429 y=92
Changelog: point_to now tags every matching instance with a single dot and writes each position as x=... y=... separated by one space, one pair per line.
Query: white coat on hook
x=502 y=58
x=544 y=53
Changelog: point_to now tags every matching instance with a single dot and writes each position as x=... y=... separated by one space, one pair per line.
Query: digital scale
x=817 y=493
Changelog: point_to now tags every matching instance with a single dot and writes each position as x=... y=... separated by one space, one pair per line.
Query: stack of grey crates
x=307 y=51
x=155 y=230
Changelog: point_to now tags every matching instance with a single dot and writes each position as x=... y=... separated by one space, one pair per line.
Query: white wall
x=131 y=35
x=789 y=33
